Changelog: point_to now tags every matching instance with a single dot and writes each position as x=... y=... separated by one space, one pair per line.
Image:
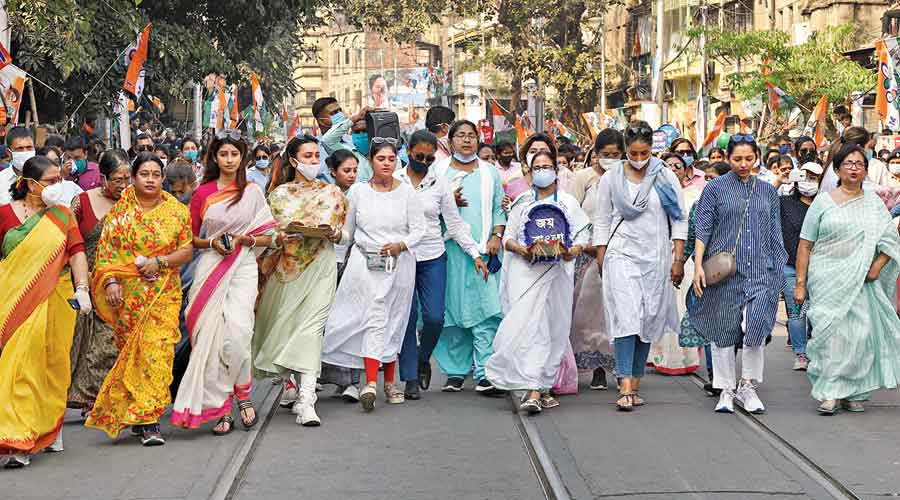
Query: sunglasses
x=233 y=134
x=262 y=158
x=639 y=131
x=386 y=140
x=743 y=138
x=144 y=149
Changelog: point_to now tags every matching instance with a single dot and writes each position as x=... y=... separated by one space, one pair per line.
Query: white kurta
x=638 y=295
x=537 y=308
x=371 y=308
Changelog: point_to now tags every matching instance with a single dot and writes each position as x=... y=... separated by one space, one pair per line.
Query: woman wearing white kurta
x=371 y=310
x=536 y=297
x=640 y=214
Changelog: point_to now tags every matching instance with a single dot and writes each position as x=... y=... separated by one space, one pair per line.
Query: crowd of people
x=172 y=274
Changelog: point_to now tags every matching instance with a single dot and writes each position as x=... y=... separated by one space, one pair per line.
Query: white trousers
x=725 y=365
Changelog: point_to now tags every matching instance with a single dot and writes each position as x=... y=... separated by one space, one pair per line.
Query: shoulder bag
x=723 y=265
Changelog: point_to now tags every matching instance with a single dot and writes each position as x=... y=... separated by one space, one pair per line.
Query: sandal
x=828 y=407
x=626 y=391
x=248 y=405
x=853 y=406
x=227 y=419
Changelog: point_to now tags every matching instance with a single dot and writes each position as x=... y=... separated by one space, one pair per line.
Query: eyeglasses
x=233 y=134
x=743 y=138
x=853 y=165
x=145 y=148
x=262 y=158
x=466 y=137
x=683 y=152
x=675 y=165
x=386 y=140
x=425 y=159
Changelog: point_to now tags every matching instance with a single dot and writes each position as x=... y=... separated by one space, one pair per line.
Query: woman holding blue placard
x=547 y=229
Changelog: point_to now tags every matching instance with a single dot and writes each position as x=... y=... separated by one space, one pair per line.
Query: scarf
x=655 y=179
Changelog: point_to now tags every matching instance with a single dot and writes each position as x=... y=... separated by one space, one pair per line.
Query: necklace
x=384 y=185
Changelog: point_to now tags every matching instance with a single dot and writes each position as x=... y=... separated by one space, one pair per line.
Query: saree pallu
x=219 y=314
x=136 y=390
x=36 y=326
x=855 y=344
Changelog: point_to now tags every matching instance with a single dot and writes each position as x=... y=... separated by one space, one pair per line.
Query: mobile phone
x=226 y=242
x=73 y=304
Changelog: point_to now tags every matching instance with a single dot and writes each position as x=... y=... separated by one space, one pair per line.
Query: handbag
x=723 y=265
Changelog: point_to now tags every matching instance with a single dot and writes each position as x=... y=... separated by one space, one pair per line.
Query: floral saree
x=36 y=326
x=136 y=390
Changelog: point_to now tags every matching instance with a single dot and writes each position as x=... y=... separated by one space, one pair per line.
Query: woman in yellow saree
x=137 y=287
x=39 y=243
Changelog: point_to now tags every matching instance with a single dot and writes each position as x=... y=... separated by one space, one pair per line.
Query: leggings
x=372 y=371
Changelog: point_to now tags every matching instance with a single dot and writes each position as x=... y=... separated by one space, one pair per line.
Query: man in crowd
x=77 y=168
x=437 y=121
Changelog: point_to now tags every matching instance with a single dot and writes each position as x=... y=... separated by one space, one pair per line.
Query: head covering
x=813 y=167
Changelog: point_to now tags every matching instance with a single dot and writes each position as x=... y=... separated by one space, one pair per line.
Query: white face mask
x=893 y=167
x=808 y=188
x=543 y=178
x=528 y=158
x=608 y=163
x=308 y=170
x=639 y=164
x=53 y=194
x=20 y=157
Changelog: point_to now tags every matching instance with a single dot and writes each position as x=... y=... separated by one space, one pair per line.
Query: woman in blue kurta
x=855 y=347
x=738 y=213
x=473 y=310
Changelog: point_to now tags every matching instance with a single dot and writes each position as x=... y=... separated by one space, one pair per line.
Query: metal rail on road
x=819 y=475
x=548 y=476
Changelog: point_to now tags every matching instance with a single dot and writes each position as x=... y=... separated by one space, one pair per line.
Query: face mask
x=543 y=177
x=308 y=170
x=191 y=156
x=688 y=159
x=894 y=168
x=79 y=167
x=783 y=149
x=20 y=157
x=164 y=161
x=361 y=142
x=53 y=195
x=505 y=159
x=465 y=159
x=528 y=158
x=639 y=164
x=337 y=118
x=808 y=188
x=184 y=199
x=608 y=163
x=869 y=155
x=418 y=166
x=262 y=164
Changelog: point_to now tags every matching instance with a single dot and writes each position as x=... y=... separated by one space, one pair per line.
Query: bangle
x=111 y=281
x=254 y=241
x=82 y=286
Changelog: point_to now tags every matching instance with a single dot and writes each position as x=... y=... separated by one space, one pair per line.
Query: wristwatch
x=499 y=235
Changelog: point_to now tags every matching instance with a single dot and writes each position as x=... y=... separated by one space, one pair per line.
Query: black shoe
x=411 y=391
x=150 y=436
x=137 y=430
x=424 y=375
x=598 y=383
x=454 y=384
x=484 y=387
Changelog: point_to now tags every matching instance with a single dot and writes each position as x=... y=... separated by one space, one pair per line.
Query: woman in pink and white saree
x=231 y=229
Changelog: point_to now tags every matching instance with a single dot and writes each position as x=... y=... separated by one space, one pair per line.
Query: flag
x=134 y=78
x=157 y=103
x=888 y=87
x=714 y=133
x=257 y=102
x=779 y=99
x=284 y=113
x=235 y=115
x=520 y=132
x=5 y=58
x=218 y=105
x=499 y=118
x=294 y=129
x=593 y=122
x=815 y=127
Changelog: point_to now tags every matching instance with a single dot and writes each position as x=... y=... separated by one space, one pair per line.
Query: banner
x=137 y=55
x=257 y=103
x=12 y=84
x=5 y=58
x=888 y=87
x=235 y=115
x=815 y=127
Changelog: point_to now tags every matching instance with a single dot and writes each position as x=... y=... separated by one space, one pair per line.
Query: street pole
x=702 y=115
x=124 y=123
x=603 y=65
x=658 y=59
x=771 y=14
x=198 y=110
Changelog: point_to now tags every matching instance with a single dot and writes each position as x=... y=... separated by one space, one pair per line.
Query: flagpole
x=96 y=84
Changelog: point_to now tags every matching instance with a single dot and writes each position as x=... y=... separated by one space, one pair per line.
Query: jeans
x=631 y=356
x=797 y=325
x=431 y=284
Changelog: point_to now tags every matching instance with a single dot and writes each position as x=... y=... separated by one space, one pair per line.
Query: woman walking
x=39 y=243
x=855 y=347
x=300 y=278
x=94 y=351
x=738 y=219
x=640 y=227
x=230 y=222
x=537 y=295
x=137 y=288
x=367 y=324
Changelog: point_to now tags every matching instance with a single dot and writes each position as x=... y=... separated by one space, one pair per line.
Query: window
x=346 y=95
x=357 y=98
x=347 y=57
x=311 y=96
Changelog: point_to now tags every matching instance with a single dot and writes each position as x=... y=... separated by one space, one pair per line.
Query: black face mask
x=505 y=159
x=418 y=166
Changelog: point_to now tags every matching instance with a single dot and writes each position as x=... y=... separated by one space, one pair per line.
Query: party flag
x=815 y=127
x=294 y=129
x=235 y=114
x=778 y=99
x=888 y=88
x=134 y=78
x=5 y=58
x=714 y=133
x=257 y=102
x=520 y=132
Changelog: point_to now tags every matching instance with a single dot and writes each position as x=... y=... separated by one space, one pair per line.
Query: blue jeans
x=431 y=284
x=797 y=325
x=631 y=356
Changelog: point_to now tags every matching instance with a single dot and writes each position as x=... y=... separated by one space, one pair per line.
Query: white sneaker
x=307 y=416
x=746 y=395
x=367 y=397
x=57 y=444
x=726 y=402
x=393 y=395
x=290 y=394
x=351 y=394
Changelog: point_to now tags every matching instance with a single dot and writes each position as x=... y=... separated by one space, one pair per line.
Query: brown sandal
x=626 y=402
x=248 y=405
x=227 y=419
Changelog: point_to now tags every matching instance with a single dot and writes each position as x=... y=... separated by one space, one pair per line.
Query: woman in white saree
x=231 y=222
x=536 y=296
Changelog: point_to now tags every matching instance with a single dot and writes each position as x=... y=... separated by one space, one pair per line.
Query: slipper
x=227 y=419
x=246 y=405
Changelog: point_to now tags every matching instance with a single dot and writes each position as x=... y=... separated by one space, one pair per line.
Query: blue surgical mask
x=688 y=159
x=464 y=159
x=79 y=167
x=418 y=166
x=360 y=142
x=543 y=177
x=784 y=149
x=337 y=118
x=262 y=164
x=191 y=156
x=869 y=155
